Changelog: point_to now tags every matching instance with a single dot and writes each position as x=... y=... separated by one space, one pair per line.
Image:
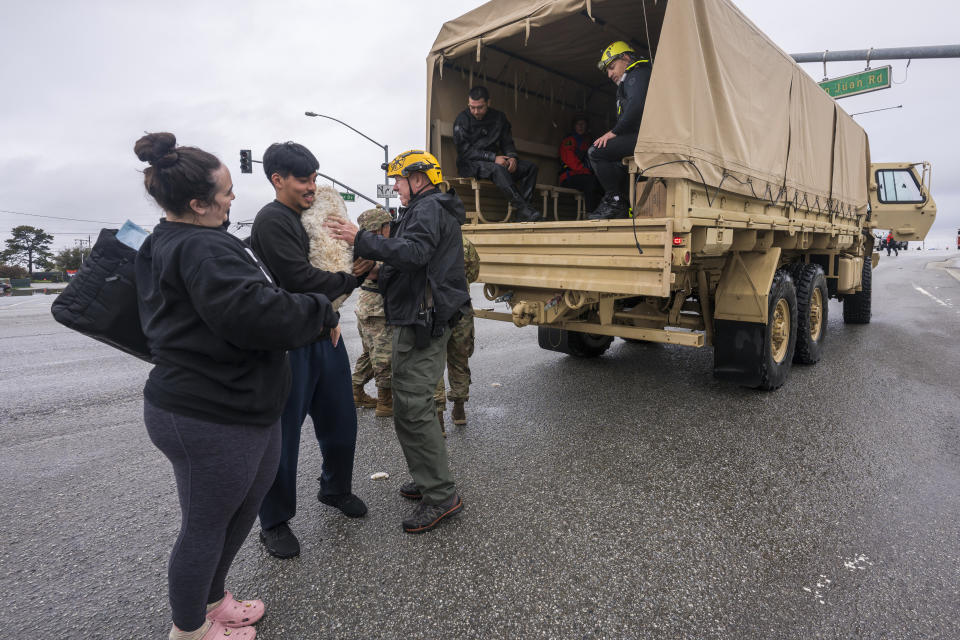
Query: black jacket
x=482 y=139
x=279 y=239
x=631 y=94
x=424 y=245
x=217 y=326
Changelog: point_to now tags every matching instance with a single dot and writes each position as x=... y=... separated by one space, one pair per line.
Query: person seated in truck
x=485 y=149
x=575 y=172
x=631 y=73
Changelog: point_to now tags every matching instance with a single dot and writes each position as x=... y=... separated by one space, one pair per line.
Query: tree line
x=28 y=250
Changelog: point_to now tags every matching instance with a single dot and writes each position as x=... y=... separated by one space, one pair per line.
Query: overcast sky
x=81 y=81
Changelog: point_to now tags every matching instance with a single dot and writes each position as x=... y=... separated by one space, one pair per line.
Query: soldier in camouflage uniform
x=376 y=336
x=459 y=350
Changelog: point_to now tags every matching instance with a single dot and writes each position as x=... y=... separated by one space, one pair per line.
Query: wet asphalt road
x=631 y=496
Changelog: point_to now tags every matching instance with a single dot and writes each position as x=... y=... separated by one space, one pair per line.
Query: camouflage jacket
x=471 y=261
x=369 y=303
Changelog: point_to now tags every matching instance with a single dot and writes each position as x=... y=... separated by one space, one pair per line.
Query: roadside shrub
x=12 y=271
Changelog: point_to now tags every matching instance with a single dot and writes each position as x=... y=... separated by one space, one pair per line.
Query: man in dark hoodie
x=321 y=371
x=425 y=291
x=485 y=149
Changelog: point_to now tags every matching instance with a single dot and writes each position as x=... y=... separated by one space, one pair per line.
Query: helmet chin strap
x=421 y=190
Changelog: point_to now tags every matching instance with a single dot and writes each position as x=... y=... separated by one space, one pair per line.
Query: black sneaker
x=612 y=206
x=349 y=504
x=410 y=490
x=426 y=516
x=280 y=541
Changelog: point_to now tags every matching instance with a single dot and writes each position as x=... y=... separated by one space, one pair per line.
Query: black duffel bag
x=101 y=300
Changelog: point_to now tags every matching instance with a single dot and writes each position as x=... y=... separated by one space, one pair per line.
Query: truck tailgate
x=601 y=256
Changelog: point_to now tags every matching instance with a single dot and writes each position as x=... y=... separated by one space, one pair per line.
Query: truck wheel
x=587 y=345
x=574 y=343
x=812 y=298
x=780 y=333
x=856 y=307
x=759 y=355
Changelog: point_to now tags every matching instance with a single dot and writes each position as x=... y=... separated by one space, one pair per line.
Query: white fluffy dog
x=325 y=252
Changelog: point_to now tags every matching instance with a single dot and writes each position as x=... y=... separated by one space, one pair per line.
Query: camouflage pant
x=459 y=350
x=377 y=340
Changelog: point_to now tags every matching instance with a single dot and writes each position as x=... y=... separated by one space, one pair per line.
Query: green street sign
x=857 y=83
x=348 y=197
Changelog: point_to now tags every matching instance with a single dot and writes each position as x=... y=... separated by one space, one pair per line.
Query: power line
x=37 y=215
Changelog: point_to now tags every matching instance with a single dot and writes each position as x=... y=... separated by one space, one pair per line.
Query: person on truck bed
x=631 y=73
x=575 y=172
x=485 y=149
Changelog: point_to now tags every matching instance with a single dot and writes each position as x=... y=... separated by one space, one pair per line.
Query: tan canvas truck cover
x=724 y=102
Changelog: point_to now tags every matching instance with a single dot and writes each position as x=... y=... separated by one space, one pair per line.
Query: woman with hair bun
x=218 y=328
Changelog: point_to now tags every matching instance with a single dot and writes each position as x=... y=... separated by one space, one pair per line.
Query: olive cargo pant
x=459 y=350
x=415 y=376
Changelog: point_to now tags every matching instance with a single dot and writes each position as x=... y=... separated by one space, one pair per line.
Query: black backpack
x=101 y=300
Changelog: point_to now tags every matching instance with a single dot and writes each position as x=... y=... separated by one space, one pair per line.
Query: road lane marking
x=11 y=306
x=933 y=297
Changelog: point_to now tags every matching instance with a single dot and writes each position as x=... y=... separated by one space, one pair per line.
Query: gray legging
x=222 y=472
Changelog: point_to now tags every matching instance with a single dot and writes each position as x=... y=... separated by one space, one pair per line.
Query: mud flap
x=553 y=339
x=738 y=347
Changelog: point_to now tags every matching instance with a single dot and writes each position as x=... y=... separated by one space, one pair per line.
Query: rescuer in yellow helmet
x=424 y=289
x=631 y=73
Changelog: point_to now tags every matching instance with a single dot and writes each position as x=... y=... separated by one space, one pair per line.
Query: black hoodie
x=218 y=326
x=424 y=245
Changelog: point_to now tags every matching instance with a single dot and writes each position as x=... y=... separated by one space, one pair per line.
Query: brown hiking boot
x=458 y=414
x=443 y=430
x=361 y=399
x=384 y=403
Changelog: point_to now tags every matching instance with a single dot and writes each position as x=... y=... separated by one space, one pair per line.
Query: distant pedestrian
x=375 y=334
x=459 y=350
x=891 y=244
x=217 y=327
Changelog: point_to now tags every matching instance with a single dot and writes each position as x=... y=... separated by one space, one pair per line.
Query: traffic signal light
x=246 y=161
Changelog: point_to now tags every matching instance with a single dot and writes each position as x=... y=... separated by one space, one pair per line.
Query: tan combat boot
x=384 y=403
x=361 y=399
x=458 y=414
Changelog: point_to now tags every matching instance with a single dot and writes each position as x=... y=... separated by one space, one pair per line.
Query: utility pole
x=384 y=193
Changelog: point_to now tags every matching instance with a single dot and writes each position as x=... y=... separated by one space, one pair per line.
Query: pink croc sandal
x=235 y=614
x=218 y=631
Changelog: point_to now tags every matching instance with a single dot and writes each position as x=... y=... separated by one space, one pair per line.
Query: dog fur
x=325 y=252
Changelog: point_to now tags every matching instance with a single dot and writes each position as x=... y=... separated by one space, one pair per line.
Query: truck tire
x=812 y=307
x=587 y=345
x=856 y=307
x=574 y=343
x=760 y=355
x=780 y=335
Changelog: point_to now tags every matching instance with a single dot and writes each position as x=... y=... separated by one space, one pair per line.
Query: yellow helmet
x=412 y=161
x=614 y=51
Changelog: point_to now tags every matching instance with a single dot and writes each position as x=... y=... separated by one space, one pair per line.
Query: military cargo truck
x=753 y=193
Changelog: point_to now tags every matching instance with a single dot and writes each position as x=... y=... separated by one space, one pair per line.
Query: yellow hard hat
x=412 y=161
x=613 y=51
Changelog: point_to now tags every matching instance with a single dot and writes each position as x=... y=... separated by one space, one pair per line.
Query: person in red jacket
x=891 y=244
x=575 y=170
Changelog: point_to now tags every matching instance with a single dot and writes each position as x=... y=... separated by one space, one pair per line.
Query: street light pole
x=386 y=152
